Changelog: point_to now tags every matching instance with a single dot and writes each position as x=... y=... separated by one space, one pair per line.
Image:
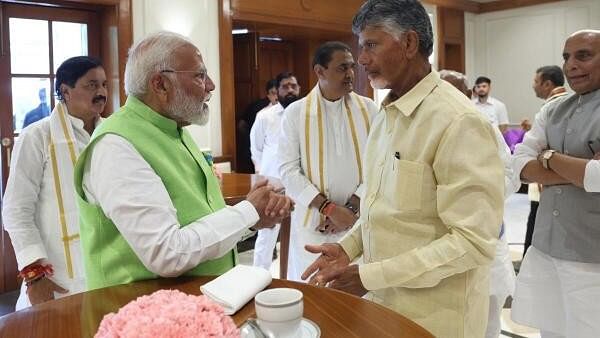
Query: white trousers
x=264 y=246
x=502 y=285
x=559 y=297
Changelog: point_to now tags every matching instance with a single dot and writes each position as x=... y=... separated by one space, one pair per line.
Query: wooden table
x=338 y=314
x=235 y=187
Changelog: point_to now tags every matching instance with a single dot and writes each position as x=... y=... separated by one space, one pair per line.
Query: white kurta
x=340 y=169
x=118 y=179
x=264 y=138
x=30 y=212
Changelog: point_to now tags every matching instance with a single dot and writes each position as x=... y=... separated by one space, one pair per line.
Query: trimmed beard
x=287 y=100
x=379 y=84
x=188 y=108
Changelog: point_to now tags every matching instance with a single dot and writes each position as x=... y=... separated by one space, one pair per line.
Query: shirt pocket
x=404 y=186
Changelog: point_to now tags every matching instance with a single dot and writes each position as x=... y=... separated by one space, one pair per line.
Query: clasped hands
x=271 y=205
x=333 y=269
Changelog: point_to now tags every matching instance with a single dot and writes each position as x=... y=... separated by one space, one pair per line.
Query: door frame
x=110 y=13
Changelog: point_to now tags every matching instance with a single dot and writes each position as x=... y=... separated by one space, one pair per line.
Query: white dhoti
x=320 y=150
x=266 y=240
x=559 y=297
x=502 y=285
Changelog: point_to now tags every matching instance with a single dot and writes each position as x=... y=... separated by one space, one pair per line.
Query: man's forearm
x=533 y=171
x=571 y=168
x=317 y=201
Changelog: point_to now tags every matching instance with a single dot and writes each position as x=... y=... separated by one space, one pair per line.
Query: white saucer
x=308 y=329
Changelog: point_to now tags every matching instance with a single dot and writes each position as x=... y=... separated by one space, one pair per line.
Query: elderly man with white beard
x=149 y=202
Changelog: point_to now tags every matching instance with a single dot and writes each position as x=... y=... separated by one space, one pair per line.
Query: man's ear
x=412 y=44
x=319 y=70
x=65 y=92
x=159 y=86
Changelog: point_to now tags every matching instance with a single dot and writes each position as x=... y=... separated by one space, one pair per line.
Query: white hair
x=149 y=56
x=446 y=72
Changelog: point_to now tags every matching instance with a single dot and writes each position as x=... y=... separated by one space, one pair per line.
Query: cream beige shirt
x=433 y=209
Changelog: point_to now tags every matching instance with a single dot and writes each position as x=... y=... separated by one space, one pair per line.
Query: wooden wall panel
x=451 y=39
x=307 y=13
x=228 y=124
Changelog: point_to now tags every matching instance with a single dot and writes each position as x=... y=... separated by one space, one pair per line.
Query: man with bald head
x=558 y=286
x=150 y=204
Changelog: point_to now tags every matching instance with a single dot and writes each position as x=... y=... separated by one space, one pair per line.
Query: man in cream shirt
x=433 y=204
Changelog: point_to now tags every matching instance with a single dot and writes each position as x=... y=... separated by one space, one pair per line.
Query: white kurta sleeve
x=534 y=142
x=511 y=181
x=297 y=185
x=502 y=113
x=257 y=139
x=21 y=196
x=133 y=196
x=591 y=178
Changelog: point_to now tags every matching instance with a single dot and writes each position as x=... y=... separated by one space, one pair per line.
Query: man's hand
x=329 y=266
x=272 y=207
x=43 y=290
x=349 y=282
x=342 y=219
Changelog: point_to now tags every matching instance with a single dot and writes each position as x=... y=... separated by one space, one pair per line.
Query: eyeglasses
x=198 y=75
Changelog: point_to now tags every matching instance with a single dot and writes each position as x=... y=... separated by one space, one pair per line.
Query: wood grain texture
x=338 y=314
x=502 y=5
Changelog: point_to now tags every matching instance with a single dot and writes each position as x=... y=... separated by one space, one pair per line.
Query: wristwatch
x=546 y=156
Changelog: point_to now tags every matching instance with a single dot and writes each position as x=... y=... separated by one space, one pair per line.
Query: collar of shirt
x=489 y=101
x=163 y=123
x=556 y=92
x=409 y=102
x=78 y=123
x=593 y=96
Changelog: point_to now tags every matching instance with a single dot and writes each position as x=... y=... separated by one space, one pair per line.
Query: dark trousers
x=530 y=225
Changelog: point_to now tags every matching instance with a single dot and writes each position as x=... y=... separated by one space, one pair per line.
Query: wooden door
x=35 y=40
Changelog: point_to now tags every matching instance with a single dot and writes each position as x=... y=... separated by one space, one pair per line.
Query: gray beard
x=188 y=109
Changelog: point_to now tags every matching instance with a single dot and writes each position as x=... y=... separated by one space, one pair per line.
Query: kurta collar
x=163 y=123
x=78 y=123
x=409 y=102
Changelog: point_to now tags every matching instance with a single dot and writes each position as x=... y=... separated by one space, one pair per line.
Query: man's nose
x=210 y=85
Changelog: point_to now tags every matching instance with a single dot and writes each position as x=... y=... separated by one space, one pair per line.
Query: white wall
x=199 y=21
x=508 y=47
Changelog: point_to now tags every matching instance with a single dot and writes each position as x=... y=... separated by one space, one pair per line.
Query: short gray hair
x=396 y=17
x=149 y=56
x=449 y=73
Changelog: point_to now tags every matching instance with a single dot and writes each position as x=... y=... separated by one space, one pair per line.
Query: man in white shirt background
x=264 y=138
x=321 y=148
x=548 y=85
x=40 y=211
x=489 y=106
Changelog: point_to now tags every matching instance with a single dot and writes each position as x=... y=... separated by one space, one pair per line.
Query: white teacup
x=279 y=311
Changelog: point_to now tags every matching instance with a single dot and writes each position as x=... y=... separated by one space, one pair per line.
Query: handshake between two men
x=272 y=206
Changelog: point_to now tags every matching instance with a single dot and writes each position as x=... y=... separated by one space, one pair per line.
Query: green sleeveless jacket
x=185 y=173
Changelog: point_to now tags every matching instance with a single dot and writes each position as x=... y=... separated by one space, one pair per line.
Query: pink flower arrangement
x=168 y=313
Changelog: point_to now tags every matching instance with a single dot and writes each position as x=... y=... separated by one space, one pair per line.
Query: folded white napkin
x=237 y=287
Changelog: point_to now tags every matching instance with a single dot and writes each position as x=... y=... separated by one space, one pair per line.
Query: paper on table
x=237 y=287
